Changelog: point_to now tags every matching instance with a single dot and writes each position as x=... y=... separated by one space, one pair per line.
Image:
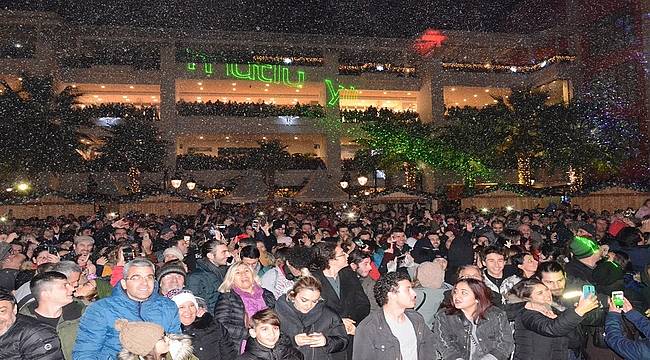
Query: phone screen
x=617 y=299
x=588 y=290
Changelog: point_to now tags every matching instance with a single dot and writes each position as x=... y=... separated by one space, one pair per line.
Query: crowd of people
x=247 y=109
x=328 y=282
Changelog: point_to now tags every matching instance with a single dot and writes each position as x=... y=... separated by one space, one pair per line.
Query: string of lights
x=377 y=67
x=297 y=60
x=506 y=68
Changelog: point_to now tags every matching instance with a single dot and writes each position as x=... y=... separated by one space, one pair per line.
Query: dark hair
x=518 y=259
x=324 y=251
x=524 y=288
x=549 y=267
x=387 y=283
x=629 y=236
x=7 y=296
x=250 y=252
x=210 y=246
x=266 y=316
x=357 y=256
x=300 y=256
x=492 y=249
x=481 y=292
x=623 y=259
x=281 y=253
x=509 y=235
x=41 y=281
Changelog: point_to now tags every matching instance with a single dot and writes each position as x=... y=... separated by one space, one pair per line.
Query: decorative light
x=509 y=208
x=18 y=45
x=362 y=180
x=191 y=184
x=380 y=68
x=10 y=189
x=350 y=215
x=261 y=213
x=176 y=182
x=22 y=186
x=200 y=83
x=344 y=184
x=279 y=209
x=287 y=60
x=3 y=218
x=485 y=210
x=366 y=193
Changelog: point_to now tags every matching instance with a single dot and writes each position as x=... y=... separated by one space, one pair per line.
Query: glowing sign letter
x=260 y=73
x=233 y=70
x=334 y=93
x=287 y=81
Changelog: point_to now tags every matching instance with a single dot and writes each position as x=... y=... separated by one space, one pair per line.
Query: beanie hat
x=590 y=228
x=180 y=297
x=430 y=274
x=607 y=273
x=583 y=247
x=175 y=252
x=138 y=337
x=171 y=267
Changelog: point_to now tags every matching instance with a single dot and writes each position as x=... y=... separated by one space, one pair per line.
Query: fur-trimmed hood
x=180 y=348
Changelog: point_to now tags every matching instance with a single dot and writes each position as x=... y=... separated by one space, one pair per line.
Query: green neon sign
x=266 y=73
x=334 y=93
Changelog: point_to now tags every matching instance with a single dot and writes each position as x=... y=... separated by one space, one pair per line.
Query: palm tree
x=270 y=158
x=38 y=127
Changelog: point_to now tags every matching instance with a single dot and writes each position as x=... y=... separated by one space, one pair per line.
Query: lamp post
x=191 y=184
x=345 y=183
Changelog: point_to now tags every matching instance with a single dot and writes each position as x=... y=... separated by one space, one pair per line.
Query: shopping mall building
x=429 y=73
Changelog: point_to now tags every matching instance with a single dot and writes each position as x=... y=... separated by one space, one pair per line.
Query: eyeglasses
x=139 y=278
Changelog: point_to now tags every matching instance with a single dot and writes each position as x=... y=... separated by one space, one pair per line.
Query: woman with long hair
x=314 y=328
x=241 y=297
x=540 y=325
x=471 y=327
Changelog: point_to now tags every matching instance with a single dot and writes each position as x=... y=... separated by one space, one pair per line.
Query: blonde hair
x=307 y=282
x=229 y=279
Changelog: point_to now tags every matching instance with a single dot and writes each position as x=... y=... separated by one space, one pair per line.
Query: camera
x=128 y=254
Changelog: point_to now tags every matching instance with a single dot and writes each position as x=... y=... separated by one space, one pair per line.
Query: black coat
x=423 y=251
x=210 y=339
x=231 y=314
x=283 y=350
x=29 y=338
x=534 y=332
x=204 y=282
x=354 y=303
x=320 y=319
x=461 y=252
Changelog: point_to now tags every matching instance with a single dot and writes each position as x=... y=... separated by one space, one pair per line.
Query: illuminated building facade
x=175 y=70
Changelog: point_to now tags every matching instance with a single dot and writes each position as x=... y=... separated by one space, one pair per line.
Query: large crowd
x=328 y=282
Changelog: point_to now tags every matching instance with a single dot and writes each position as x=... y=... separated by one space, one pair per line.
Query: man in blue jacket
x=136 y=298
x=615 y=337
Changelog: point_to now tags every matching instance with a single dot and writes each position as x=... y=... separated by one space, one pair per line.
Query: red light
x=429 y=40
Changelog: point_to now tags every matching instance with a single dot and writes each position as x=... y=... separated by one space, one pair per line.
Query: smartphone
x=221 y=226
x=52 y=250
x=617 y=299
x=127 y=253
x=587 y=290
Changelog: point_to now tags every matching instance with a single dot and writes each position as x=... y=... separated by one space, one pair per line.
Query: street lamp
x=362 y=180
x=191 y=184
x=344 y=184
x=176 y=181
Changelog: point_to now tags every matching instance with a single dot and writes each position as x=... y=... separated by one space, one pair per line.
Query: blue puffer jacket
x=616 y=339
x=98 y=339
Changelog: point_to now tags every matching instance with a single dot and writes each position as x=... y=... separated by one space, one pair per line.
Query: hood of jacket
x=70 y=312
x=180 y=348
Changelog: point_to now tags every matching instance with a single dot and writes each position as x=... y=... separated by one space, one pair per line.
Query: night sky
x=384 y=18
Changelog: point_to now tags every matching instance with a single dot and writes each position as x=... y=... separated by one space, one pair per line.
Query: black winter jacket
x=375 y=341
x=535 y=331
x=283 y=350
x=320 y=319
x=210 y=339
x=354 y=303
x=29 y=339
x=204 y=282
x=494 y=335
x=231 y=314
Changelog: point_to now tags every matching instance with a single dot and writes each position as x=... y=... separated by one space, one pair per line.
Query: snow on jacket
x=494 y=335
x=320 y=319
x=98 y=339
x=374 y=339
x=29 y=338
x=617 y=341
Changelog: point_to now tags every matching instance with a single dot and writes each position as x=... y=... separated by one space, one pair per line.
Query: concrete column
x=168 y=103
x=430 y=98
x=332 y=142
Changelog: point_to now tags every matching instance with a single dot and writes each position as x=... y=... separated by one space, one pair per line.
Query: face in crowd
x=139 y=282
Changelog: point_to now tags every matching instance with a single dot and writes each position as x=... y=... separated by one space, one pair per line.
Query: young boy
x=266 y=342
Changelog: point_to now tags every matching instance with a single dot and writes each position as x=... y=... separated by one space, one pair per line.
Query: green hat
x=583 y=247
